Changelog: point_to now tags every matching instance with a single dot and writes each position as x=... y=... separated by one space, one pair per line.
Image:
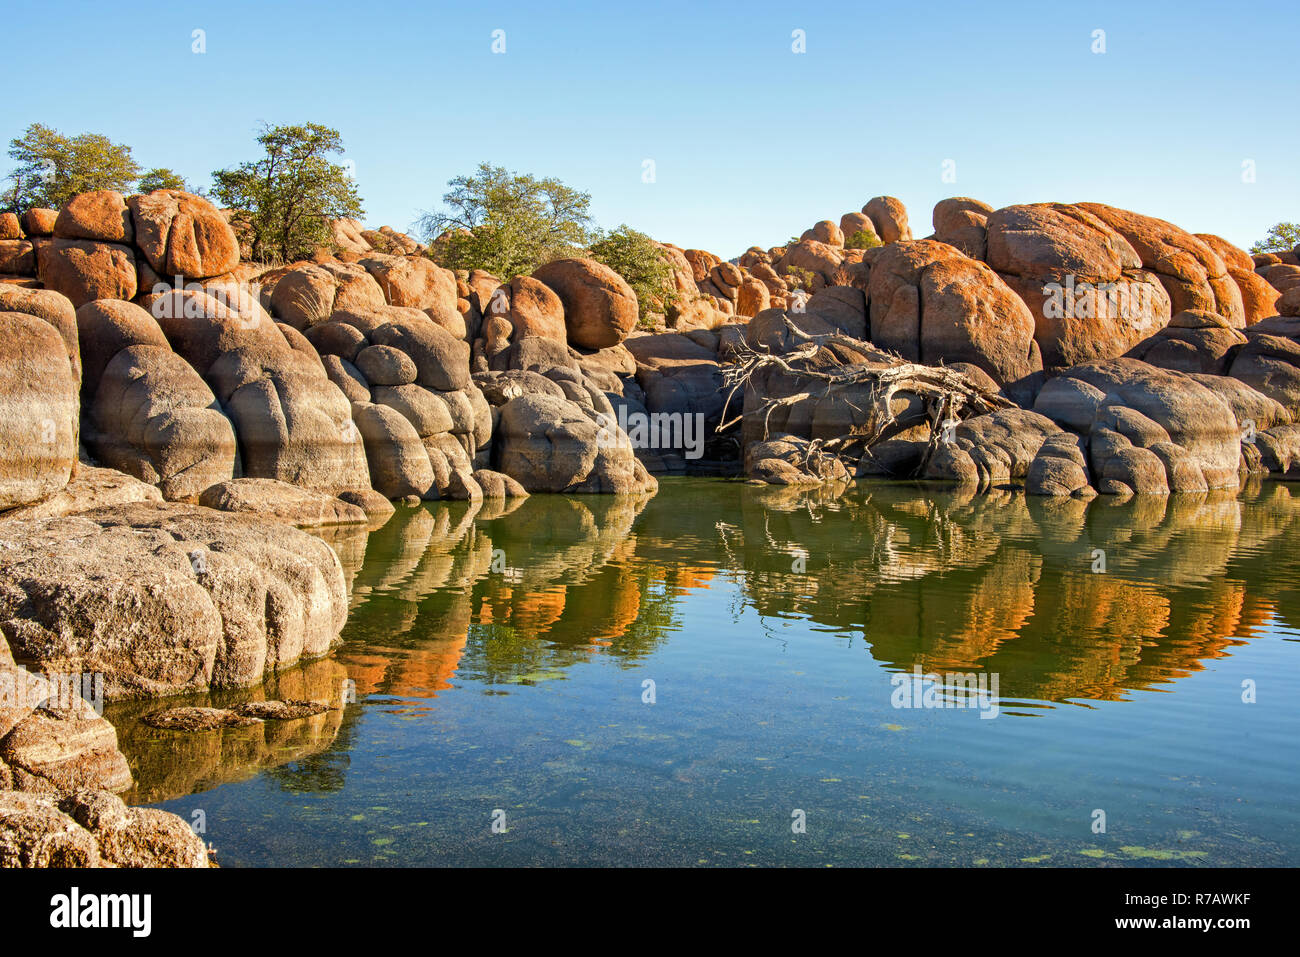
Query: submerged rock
x=197 y=719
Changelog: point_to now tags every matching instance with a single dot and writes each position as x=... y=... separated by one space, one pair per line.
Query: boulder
x=292 y=422
x=889 y=216
x=962 y=223
x=348 y=378
x=535 y=309
x=84 y=270
x=497 y=485
x=312 y=292
x=39 y=411
x=39 y=222
x=853 y=223
x=792 y=460
x=100 y=215
x=931 y=304
x=181 y=234
x=385 y=366
x=1258 y=298
x=1194 y=341
x=1060 y=468
x=826 y=232
x=414 y=281
x=1193 y=274
x=52 y=307
x=17 y=258
x=600 y=308
x=398 y=461
x=1269 y=362
x=104 y=328
x=1082 y=281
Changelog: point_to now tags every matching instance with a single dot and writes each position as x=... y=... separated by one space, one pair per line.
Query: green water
x=502 y=667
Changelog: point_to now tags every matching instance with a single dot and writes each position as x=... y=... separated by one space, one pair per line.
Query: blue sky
x=751 y=142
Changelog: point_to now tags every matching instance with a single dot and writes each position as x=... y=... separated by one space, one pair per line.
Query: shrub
x=862 y=240
x=647 y=269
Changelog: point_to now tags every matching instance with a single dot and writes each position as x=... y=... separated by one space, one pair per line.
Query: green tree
x=50 y=168
x=646 y=267
x=284 y=201
x=163 y=178
x=1281 y=237
x=506 y=223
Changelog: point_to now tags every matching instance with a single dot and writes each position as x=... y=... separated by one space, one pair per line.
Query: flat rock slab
x=282 y=502
x=163 y=598
x=91 y=487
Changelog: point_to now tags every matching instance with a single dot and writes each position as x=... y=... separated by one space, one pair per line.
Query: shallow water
x=501 y=664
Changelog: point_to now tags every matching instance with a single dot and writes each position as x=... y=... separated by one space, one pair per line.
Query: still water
x=721 y=675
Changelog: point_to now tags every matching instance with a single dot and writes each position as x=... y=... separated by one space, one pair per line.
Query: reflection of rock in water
x=517 y=591
x=500 y=591
x=959 y=582
x=170 y=764
x=1004 y=583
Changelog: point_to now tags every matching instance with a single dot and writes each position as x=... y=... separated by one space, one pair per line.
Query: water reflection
x=491 y=597
x=920 y=576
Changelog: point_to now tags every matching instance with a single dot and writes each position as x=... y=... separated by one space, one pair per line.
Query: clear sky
x=751 y=142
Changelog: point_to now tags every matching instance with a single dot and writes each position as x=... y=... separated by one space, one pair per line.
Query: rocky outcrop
x=421 y=418
x=931 y=304
x=1081 y=279
x=551 y=444
x=89 y=828
x=993 y=450
x=1147 y=430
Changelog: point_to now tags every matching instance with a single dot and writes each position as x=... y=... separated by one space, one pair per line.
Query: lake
x=728 y=675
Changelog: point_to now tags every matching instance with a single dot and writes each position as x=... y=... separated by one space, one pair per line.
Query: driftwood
x=949 y=394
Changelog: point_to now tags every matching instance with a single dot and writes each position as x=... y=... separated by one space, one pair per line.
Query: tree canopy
x=51 y=168
x=163 y=178
x=638 y=259
x=282 y=203
x=1281 y=237
x=507 y=223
